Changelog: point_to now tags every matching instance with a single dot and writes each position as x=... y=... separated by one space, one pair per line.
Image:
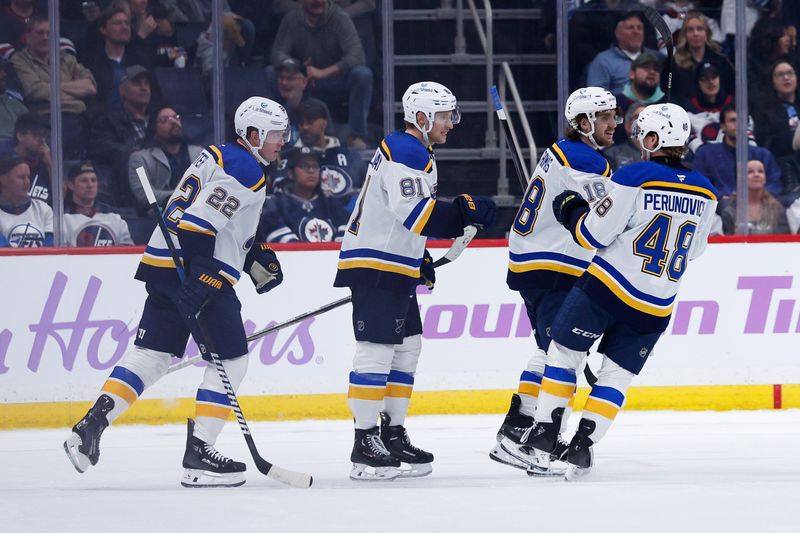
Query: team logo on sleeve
x=335 y=181
x=316 y=230
x=25 y=236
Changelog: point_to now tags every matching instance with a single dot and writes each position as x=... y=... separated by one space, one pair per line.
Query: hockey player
x=212 y=217
x=382 y=260
x=544 y=261
x=655 y=218
x=299 y=210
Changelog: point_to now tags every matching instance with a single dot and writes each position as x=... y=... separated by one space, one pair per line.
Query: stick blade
x=297 y=480
x=458 y=246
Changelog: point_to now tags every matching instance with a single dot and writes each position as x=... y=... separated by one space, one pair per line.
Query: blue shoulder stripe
x=237 y=162
x=403 y=148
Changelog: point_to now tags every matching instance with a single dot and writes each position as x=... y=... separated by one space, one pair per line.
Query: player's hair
x=572 y=133
x=676 y=152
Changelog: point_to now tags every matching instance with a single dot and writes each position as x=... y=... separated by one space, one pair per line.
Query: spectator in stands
x=32 y=66
x=343 y=169
x=768 y=42
x=591 y=30
x=325 y=39
x=143 y=23
x=765 y=214
x=611 y=67
x=292 y=84
x=704 y=107
x=236 y=48
x=88 y=222
x=166 y=157
x=117 y=52
x=629 y=151
x=776 y=112
x=30 y=144
x=694 y=46
x=14 y=20
x=644 y=80
x=25 y=222
x=300 y=210
x=193 y=10
x=115 y=135
x=676 y=13
x=11 y=106
x=165 y=41
x=717 y=161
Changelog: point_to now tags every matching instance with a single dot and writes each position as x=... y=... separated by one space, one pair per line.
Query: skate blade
x=203 y=479
x=412 y=470
x=555 y=469
x=362 y=472
x=522 y=454
x=575 y=473
x=78 y=460
x=503 y=457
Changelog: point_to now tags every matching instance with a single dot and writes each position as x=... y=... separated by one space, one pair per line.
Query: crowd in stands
x=613 y=46
x=136 y=91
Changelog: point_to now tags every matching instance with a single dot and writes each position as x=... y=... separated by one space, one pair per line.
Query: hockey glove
x=201 y=284
x=427 y=274
x=263 y=267
x=477 y=210
x=568 y=208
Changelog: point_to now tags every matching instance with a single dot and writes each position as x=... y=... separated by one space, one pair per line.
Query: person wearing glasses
x=300 y=210
x=166 y=156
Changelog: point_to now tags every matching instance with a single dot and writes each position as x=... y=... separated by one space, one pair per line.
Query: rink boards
x=69 y=317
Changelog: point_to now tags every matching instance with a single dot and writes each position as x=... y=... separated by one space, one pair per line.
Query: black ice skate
x=545 y=443
x=516 y=427
x=580 y=455
x=205 y=467
x=83 y=444
x=396 y=440
x=371 y=460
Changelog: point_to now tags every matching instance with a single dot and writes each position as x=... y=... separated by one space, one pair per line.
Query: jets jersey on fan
x=289 y=218
x=27 y=226
x=541 y=254
x=396 y=209
x=220 y=194
x=654 y=220
x=103 y=229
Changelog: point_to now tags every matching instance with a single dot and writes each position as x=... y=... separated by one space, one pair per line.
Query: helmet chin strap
x=425 y=131
x=254 y=152
x=590 y=134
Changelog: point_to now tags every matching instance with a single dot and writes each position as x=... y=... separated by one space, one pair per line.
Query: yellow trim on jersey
x=578 y=235
x=601 y=408
x=188 y=226
x=519 y=268
x=356 y=392
x=386 y=150
x=213 y=411
x=428 y=167
x=258 y=185
x=123 y=390
x=422 y=220
x=607 y=171
x=377 y=265
x=561 y=155
x=670 y=185
x=623 y=295
x=157 y=262
x=228 y=277
x=218 y=153
x=399 y=390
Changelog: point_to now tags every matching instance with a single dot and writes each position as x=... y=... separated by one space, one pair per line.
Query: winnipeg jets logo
x=316 y=230
x=335 y=181
x=681 y=177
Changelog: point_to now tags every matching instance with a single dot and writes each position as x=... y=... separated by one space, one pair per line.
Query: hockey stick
x=458 y=246
x=663 y=30
x=523 y=180
x=294 y=479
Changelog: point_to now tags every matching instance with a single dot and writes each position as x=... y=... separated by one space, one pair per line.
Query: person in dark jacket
x=776 y=113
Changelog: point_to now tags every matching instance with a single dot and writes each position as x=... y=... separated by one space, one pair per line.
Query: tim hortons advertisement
x=68 y=319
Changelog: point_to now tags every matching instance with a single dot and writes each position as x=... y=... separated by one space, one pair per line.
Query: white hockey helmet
x=265 y=116
x=669 y=121
x=589 y=101
x=430 y=98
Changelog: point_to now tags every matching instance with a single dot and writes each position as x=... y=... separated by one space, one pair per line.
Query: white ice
x=654 y=472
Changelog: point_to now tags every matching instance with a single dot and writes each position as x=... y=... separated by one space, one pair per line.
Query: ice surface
x=654 y=472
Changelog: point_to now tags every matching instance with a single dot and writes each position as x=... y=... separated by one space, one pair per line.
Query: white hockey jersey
x=28 y=227
x=221 y=194
x=103 y=229
x=654 y=220
x=396 y=209
x=541 y=254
